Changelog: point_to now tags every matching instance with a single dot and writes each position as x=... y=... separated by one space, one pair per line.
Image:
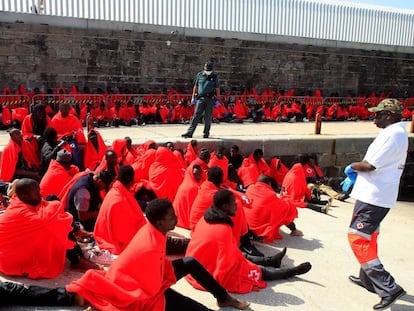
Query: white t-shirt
x=387 y=153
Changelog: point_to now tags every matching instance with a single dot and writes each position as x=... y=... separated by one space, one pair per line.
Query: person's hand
x=193 y=101
x=217 y=103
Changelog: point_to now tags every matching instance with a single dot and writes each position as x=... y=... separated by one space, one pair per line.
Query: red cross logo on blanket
x=254 y=275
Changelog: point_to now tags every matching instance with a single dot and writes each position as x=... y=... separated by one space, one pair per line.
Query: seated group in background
x=122 y=108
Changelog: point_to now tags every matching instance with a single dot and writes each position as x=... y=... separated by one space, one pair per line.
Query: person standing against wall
x=206 y=95
x=376 y=191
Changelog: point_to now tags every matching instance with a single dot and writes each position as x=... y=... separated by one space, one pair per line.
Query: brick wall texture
x=49 y=57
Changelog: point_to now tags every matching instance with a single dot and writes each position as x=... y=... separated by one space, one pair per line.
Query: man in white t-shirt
x=375 y=191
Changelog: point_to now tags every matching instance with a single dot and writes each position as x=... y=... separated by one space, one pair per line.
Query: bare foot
x=233 y=302
x=79 y=301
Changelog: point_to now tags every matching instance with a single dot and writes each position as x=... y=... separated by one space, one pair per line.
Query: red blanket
x=165 y=174
x=204 y=200
x=214 y=246
x=135 y=281
x=295 y=187
x=67 y=126
x=34 y=239
x=250 y=170
x=267 y=213
x=119 y=219
x=93 y=157
x=190 y=153
x=184 y=198
x=10 y=156
x=278 y=170
x=142 y=164
x=56 y=178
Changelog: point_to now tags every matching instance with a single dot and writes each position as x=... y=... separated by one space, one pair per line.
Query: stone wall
x=49 y=56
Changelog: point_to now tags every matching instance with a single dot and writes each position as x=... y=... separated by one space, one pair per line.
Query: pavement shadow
x=302 y=243
x=399 y=307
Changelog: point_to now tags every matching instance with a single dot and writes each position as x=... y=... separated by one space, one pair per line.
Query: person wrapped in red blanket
x=267 y=213
x=213 y=235
x=140 y=278
x=45 y=224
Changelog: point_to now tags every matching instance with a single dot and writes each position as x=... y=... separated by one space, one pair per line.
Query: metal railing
x=299 y=18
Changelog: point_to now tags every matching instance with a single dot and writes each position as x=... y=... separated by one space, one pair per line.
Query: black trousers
x=18 y=294
x=183 y=267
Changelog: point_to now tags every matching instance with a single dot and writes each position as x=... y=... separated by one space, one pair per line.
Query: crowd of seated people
x=103 y=196
x=125 y=108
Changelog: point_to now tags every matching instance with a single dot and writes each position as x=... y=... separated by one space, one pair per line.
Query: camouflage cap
x=388 y=104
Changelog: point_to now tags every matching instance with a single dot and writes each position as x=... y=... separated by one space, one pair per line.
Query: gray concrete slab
x=325 y=245
x=246 y=134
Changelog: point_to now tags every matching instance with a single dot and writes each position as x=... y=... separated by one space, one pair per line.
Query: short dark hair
x=258 y=152
x=106 y=177
x=265 y=179
x=125 y=174
x=24 y=185
x=215 y=175
x=50 y=134
x=221 y=197
x=157 y=209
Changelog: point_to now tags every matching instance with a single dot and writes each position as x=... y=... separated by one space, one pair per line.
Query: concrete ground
x=324 y=244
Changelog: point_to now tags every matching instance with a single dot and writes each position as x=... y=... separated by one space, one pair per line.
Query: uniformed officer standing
x=206 y=95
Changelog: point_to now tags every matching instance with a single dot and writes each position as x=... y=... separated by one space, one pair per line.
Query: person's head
x=64 y=157
x=257 y=154
x=234 y=150
x=265 y=179
x=128 y=142
x=225 y=201
x=103 y=179
x=170 y=145
x=302 y=159
x=39 y=112
x=194 y=143
x=215 y=175
x=28 y=191
x=205 y=155
x=111 y=158
x=220 y=152
x=50 y=136
x=16 y=135
x=387 y=112
x=197 y=172
x=160 y=213
x=126 y=175
x=64 y=109
x=208 y=67
x=312 y=160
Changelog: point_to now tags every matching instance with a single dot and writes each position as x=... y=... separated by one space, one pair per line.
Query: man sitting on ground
x=119 y=217
x=59 y=173
x=34 y=234
x=213 y=235
x=141 y=277
x=267 y=212
x=18 y=159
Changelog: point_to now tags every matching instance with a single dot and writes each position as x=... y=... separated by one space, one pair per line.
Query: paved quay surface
x=324 y=244
x=236 y=132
